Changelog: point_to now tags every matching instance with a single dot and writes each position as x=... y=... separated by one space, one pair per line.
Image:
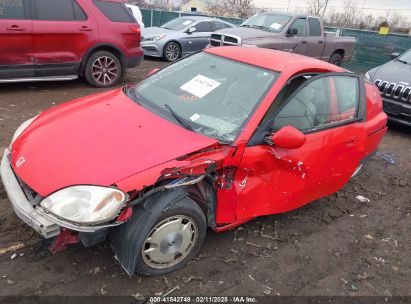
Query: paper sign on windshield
x=276 y=26
x=200 y=86
x=187 y=22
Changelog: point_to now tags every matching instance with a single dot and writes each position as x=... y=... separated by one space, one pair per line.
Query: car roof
x=198 y=18
x=272 y=59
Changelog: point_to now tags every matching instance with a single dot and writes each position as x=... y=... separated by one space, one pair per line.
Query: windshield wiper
x=403 y=61
x=177 y=117
x=261 y=27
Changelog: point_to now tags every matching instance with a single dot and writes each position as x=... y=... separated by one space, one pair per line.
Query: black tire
x=336 y=59
x=128 y=239
x=103 y=69
x=172 y=51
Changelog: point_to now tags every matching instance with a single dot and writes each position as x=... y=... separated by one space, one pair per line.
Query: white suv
x=135 y=10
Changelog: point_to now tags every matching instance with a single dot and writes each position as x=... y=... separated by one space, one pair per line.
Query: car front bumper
x=152 y=49
x=22 y=207
x=36 y=217
x=398 y=112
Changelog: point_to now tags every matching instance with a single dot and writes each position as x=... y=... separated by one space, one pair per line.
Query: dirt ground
x=335 y=246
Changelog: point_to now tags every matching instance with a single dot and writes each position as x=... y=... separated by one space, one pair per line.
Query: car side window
x=301 y=26
x=115 y=11
x=324 y=101
x=204 y=26
x=315 y=26
x=59 y=10
x=219 y=25
x=12 y=9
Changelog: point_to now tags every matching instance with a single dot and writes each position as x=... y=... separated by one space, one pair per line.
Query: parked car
x=65 y=39
x=294 y=33
x=180 y=37
x=135 y=10
x=213 y=140
x=393 y=79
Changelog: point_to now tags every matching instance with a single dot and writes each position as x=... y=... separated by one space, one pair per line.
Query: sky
x=373 y=7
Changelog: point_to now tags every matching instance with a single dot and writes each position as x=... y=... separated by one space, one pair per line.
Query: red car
x=213 y=140
x=64 y=39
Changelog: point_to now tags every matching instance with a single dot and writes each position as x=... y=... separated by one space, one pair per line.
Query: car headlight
x=155 y=38
x=21 y=129
x=367 y=76
x=85 y=204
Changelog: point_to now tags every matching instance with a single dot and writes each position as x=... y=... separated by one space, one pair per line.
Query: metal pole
x=288 y=6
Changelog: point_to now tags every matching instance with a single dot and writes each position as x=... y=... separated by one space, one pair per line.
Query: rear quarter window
x=115 y=11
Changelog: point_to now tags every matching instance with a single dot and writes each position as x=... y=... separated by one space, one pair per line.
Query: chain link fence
x=371 y=50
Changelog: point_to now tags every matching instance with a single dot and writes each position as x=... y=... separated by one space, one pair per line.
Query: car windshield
x=406 y=57
x=272 y=23
x=207 y=94
x=177 y=24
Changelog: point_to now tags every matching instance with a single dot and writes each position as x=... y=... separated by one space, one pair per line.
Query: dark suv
x=393 y=79
x=64 y=39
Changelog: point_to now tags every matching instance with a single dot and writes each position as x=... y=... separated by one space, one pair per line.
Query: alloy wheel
x=105 y=70
x=172 y=51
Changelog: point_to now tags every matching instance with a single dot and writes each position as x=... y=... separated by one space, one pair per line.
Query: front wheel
x=103 y=69
x=172 y=51
x=163 y=235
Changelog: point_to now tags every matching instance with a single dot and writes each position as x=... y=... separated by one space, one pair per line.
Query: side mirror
x=153 y=71
x=288 y=137
x=292 y=32
x=394 y=55
x=191 y=30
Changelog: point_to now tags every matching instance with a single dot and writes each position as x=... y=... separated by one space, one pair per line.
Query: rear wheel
x=172 y=51
x=103 y=69
x=336 y=59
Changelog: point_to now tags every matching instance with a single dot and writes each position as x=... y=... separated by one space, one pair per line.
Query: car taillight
x=135 y=29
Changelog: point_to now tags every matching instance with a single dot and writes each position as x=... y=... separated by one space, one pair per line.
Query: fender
x=102 y=45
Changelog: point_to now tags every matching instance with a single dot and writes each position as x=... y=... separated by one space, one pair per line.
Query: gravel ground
x=335 y=246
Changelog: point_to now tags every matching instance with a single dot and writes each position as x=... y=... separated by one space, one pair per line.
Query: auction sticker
x=200 y=86
x=276 y=26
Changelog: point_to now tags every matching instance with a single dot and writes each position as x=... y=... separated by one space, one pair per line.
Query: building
x=194 y=6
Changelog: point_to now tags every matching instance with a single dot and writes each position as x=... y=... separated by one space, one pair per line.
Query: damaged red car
x=213 y=140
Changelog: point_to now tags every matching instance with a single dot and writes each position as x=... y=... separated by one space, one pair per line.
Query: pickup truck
x=293 y=33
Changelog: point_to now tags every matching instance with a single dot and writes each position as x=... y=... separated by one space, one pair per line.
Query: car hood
x=97 y=140
x=247 y=33
x=153 y=31
x=394 y=71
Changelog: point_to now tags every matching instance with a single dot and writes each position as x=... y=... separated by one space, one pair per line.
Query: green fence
x=371 y=50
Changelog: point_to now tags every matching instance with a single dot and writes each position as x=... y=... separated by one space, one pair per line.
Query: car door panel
x=296 y=43
x=274 y=180
x=199 y=39
x=60 y=45
x=315 y=39
x=16 y=28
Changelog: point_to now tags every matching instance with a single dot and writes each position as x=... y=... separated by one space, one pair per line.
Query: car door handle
x=85 y=29
x=16 y=28
x=304 y=42
x=320 y=42
x=351 y=142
